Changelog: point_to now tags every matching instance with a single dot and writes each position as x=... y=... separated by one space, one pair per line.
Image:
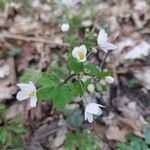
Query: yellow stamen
x=81 y=54
x=31 y=93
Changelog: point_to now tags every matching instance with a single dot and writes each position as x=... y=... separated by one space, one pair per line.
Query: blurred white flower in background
x=36 y=3
x=91 y=110
x=70 y=3
x=28 y=90
x=80 y=53
x=103 y=43
x=109 y=79
x=65 y=27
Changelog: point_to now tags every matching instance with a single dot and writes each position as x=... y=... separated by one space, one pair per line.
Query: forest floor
x=31 y=37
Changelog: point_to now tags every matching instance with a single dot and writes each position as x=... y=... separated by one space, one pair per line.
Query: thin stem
x=91 y=51
x=82 y=67
x=81 y=87
x=71 y=76
x=104 y=60
x=74 y=74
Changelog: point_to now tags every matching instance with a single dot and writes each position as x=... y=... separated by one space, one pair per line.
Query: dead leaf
x=144 y=76
x=143 y=49
x=114 y=133
x=8 y=79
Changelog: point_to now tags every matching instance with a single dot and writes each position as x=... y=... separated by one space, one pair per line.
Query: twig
x=31 y=39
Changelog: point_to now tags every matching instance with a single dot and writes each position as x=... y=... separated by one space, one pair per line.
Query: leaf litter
x=128 y=21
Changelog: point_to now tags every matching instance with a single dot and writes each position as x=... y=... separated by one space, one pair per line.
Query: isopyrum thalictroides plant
x=61 y=84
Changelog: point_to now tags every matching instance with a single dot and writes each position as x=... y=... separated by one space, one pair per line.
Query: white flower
x=28 y=90
x=91 y=110
x=36 y=3
x=109 y=79
x=80 y=53
x=70 y=3
x=90 y=88
x=65 y=27
x=103 y=43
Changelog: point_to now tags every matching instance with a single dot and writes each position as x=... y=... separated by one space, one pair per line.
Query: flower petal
x=23 y=86
x=90 y=117
x=32 y=86
x=110 y=46
x=22 y=95
x=33 y=101
x=79 y=54
x=102 y=37
x=85 y=115
x=93 y=108
x=75 y=53
x=84 y=49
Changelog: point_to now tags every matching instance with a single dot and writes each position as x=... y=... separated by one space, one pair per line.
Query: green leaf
x=14 y=51
x=11 y=134
x=105 y=73
x=121 y=146
x=70 y=141
x=46 y=80
x=134 y=143
x=81 y=140
x=93 y=69
x=2 y=111
x=74 y=117
x=2 y=4
x=74 y=65
x=147 y=136
x=45 y=93
x=61 y=96
x=30 y=75
x=76 y=88
x=76 y=120
x=101 y=88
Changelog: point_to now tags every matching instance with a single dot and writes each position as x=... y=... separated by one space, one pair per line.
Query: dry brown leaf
x=8 y=79
x=114 y=133
x=132 y=119
x=144 y=76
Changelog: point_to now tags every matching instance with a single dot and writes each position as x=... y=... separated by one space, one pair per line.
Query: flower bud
x=109 y=79
x=94 y=50
x=85 y=78
x=65 y=27
x=91 y=88
x=102 y=82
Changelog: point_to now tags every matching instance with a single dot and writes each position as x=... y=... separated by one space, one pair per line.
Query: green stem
x=81 y=87
x=82 y=67
x=104 y=60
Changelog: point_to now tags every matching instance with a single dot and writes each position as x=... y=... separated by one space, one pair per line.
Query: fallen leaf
x=114 y=133
x=143 y=49
x=143 y=76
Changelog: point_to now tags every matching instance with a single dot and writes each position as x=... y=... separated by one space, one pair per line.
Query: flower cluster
x=80 y=54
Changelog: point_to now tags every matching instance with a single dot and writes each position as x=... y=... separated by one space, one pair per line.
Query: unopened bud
x=94 y=50
x=91 y=88
x=109 y=79
x=65 y=27
x=85 y=78
x=102 y=82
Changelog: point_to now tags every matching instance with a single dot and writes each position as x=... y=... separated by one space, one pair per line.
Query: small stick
x=31 y=39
